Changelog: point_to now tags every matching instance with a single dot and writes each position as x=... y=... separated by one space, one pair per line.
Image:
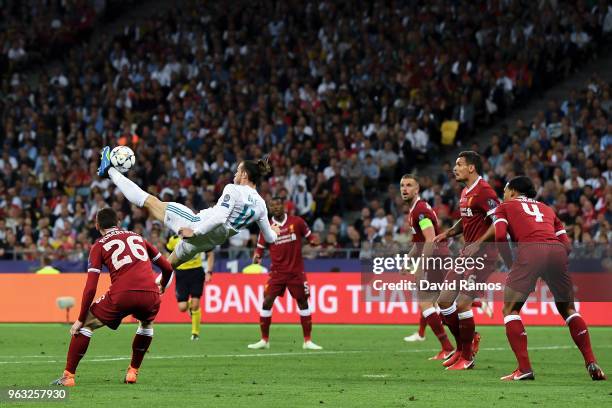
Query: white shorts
x=179 y=216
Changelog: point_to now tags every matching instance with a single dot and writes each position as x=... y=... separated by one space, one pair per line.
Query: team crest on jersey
x=226 y=198
x=492 y=203
x=421 y=216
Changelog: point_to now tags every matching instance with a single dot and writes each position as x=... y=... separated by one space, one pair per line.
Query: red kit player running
x=477 y=204
x=133 y=291
x=542 y=252
x=286 y=272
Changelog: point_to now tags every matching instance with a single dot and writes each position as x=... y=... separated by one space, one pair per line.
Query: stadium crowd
x=344 y=97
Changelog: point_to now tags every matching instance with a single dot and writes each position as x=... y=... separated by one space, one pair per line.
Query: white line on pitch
x=286 y=354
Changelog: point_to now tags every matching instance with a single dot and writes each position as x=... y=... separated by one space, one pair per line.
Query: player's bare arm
x=453 y=231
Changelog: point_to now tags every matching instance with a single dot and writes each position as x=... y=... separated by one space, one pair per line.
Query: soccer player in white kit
x=239 y=206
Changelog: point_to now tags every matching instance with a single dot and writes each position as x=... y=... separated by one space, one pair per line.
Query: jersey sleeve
x=559 y=227
x=306 y=231
x=94 y=263
x=424 y=219
x=153 y=252
x=265 y=228
x=489 y=202
x=500 y=214
x=227 y=199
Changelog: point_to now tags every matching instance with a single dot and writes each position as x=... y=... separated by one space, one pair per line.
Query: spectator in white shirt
x=417 y=137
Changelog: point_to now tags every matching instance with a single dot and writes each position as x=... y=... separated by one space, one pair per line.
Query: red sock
x=265 y=320
x=580 y=334
x=517 y=337
x=451 y=320
x=435 y=322
x=422 y=326
x=306 y=322
x=467 y=327
x=77 y=349
x=140 y=345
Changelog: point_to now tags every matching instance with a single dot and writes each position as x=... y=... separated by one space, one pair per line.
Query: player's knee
x=145 y=329
x=268 y=303
x=565 y=309
x=182 y=306
x=195 y=304
x=510 y=308
x=444 y=304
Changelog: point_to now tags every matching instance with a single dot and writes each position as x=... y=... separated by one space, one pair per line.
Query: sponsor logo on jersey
x=466 y=212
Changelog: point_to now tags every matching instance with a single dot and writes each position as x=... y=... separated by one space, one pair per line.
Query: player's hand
x=276 y=229
x=257 y=259
x=441 y=237
x=74 y=330
x=161 y=288
x=207 y=277
x=185 y=232
x=470 y=250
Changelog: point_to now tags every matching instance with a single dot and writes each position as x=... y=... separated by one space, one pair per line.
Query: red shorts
x=548 y=262
x=299 y=290
x=111 y=308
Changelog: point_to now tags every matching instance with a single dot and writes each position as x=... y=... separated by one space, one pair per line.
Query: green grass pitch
x=360 y=366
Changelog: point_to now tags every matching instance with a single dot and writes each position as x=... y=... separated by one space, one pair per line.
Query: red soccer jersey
x=420 y=212
x=529 y=220
x=128 y=258
x=477 y=204
x=286 y=252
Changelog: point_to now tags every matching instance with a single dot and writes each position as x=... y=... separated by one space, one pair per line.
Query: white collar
x=470 y=188
x=418 y=198
x=280 y=223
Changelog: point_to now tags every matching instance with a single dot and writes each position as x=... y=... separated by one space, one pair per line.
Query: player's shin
x=196 y=317
x=435 y=322
x=265 y=320
x=140 y=345
x=77 y=349
x=306 y=322
x=467 y=327
x=130 y=190
x=422 y=325
x=517 y=337
x=451 y=320
x=580 y=335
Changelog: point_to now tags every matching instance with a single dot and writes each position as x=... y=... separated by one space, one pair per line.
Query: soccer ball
x=122 y=158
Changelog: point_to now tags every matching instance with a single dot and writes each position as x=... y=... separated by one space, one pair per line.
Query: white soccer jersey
x=238 y=207
x=245 y=206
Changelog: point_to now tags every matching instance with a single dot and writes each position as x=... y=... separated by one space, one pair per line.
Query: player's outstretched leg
x=306 y=322
x=77 y=349
x=140 y=345
x=580 y=335
x=420 y=334
x=265 y=320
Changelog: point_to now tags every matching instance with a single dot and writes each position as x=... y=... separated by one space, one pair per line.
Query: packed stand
x=343 y=97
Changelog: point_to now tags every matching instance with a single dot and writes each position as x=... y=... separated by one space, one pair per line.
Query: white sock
x=130 y=190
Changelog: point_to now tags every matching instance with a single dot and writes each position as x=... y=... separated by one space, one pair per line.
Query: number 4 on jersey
x=534 y=210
